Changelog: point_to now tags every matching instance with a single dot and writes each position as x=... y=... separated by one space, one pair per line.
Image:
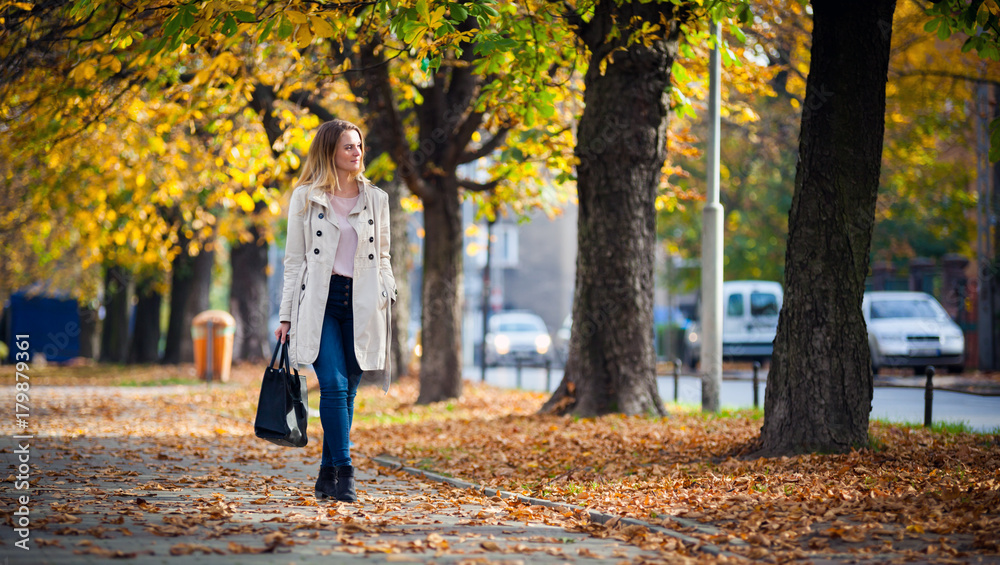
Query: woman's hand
x=282 y=332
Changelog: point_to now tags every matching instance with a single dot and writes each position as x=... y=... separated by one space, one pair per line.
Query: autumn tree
x=621 y=148
x=820 y=384
x=182 y=55
x=123 y=117
x=464 y=108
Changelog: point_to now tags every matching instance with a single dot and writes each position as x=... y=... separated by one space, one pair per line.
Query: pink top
x=343 y=263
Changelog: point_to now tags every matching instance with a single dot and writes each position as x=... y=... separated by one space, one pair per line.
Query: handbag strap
x=277 y=347
x=285 y=363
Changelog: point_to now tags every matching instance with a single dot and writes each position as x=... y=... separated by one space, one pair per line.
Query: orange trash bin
x=213 y=332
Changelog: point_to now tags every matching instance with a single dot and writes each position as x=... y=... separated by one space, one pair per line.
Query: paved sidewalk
x=163 y=494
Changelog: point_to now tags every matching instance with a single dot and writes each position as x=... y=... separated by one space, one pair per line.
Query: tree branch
x=946 y=74
x=460 y=139
x=304 y=99
x=487 y=148
x=581 y=27
x=382 y=100
x=473 y=186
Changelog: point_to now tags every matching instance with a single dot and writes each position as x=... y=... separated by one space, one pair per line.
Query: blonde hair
x=320 y=169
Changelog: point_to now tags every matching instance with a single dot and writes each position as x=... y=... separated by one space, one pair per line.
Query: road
x=894 y=404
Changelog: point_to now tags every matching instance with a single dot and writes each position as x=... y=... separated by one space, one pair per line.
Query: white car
x=749 y=322
x=517 y=335
x=911 y=329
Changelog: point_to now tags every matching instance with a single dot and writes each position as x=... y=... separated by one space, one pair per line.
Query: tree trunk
x=621 y=145
x=248 y=301
x=190 y=284
x=401 y=260
x=989 y=271
x=90 y=331
x=819 y=388
x=441 y=362
x=117 y=300
x=146 y=336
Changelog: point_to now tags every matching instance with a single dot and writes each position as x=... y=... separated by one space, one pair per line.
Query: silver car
x=517 y=335
x=911 y=329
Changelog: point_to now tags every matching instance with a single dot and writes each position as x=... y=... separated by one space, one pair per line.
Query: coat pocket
x=303 y=282
x=383 y=293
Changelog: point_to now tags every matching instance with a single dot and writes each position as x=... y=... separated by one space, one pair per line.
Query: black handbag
x=282 y=410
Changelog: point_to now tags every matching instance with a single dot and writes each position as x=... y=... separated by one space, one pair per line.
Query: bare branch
x=461 y=138
x=382 y=101
x=487 y=148
x=304 y=99
x=946 y=74
x=574 y=19
x=473 y=186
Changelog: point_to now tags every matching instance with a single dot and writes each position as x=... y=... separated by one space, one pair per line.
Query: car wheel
x=875 y=370
x=956 y=369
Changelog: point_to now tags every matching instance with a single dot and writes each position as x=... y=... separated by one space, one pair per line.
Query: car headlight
x=693 y=337
x=502 y=344
x=542 y=344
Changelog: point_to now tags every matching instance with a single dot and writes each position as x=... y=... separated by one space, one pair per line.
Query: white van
x=749 y=322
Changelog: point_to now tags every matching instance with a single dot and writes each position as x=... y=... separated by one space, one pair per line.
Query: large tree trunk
x=146 y=336
x=117 y=299
x=447 y=122
x=441 y=362
x=248 y=301
x=621 y=145
x=191 y=282
x=819 y=388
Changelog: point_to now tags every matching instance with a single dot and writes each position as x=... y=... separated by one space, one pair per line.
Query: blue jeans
x=338 y=372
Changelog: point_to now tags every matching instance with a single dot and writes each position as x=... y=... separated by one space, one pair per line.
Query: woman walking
x=337 y=287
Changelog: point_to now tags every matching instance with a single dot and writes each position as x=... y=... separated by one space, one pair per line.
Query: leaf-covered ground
x=911 y=495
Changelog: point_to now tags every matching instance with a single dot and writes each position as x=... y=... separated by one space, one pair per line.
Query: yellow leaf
x=140 y=180
x=245 y=202
x=296 y=17
x=303 y=37
x=321 y=27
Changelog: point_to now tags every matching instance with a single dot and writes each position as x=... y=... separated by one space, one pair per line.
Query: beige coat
x=313 y=235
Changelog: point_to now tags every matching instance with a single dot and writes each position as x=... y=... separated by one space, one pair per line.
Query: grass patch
x=947 y=428
x=726 y=413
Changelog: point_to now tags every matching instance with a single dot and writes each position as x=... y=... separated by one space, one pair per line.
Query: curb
x=595 y=516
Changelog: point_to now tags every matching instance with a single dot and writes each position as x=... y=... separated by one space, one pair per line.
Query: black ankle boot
x=345 y=484
x=326 y=483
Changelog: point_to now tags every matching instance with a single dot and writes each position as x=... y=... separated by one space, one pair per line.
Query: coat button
x=345 y=303
x=371 y=239
x=316 y=251
x=370 y=256
x=370 y=222
x=319 y=233
x=321 y=215
x=383 y=293
x=303 y=287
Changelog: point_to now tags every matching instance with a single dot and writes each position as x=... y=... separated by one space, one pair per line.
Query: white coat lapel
x=320 y=199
